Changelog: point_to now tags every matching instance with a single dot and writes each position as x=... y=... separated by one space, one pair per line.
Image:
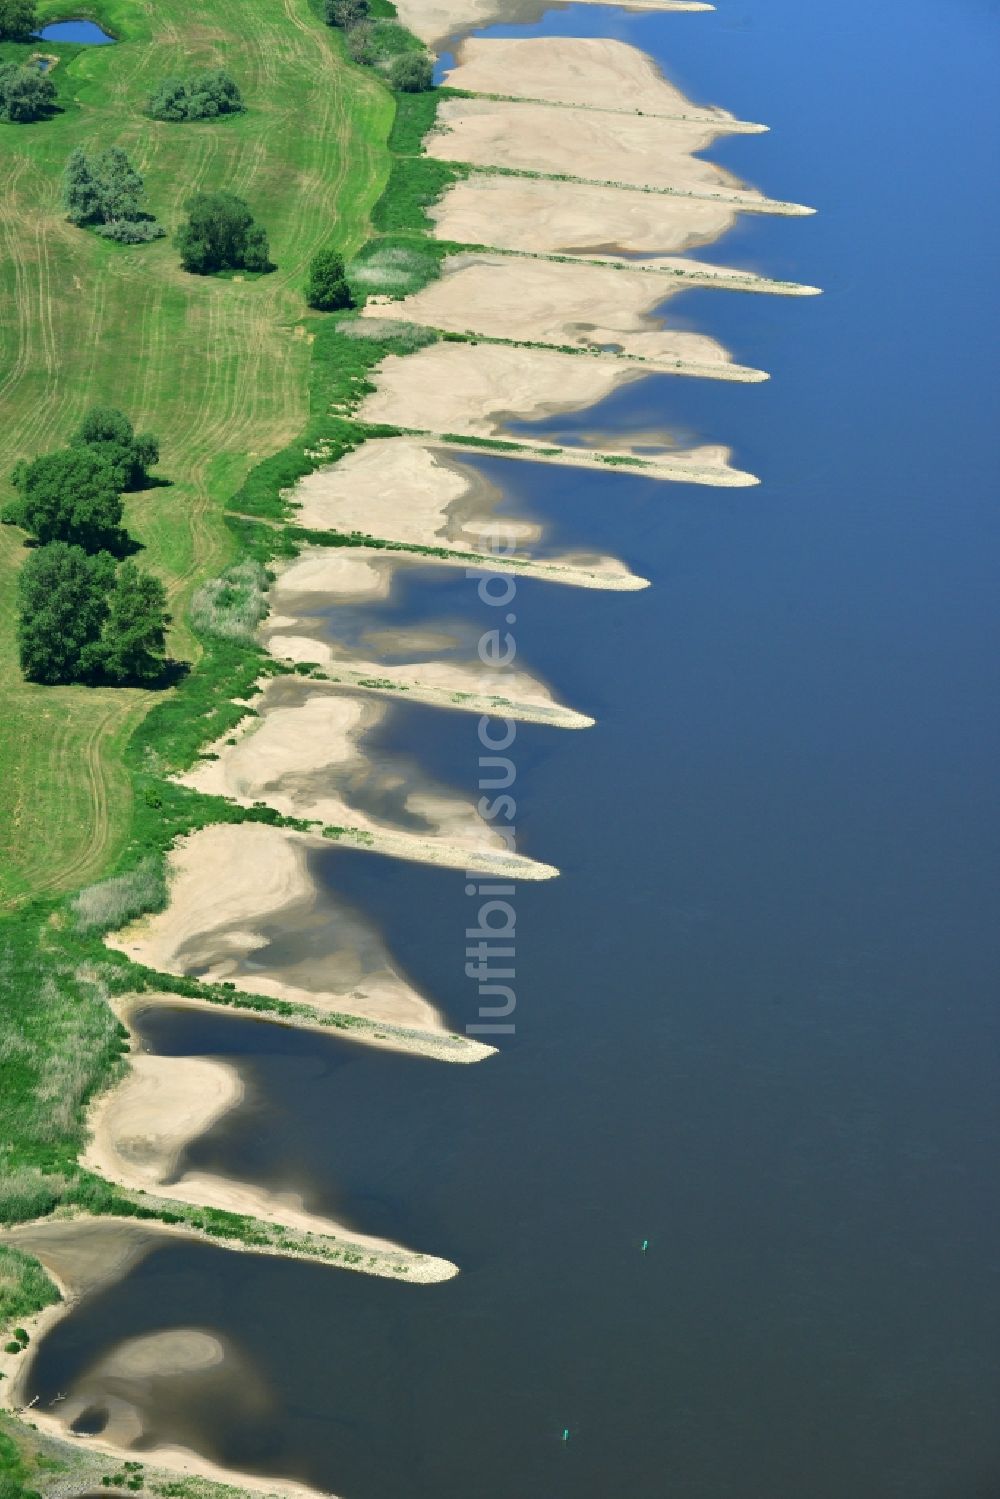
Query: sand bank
x=586 y=72
x=573 y=218
x=603 y=311
x=229 y=881
x=625 y=150
x=298 y=631
x=436 y=20
x=306 y=756
x=411 y=491
x=138 y=1132
x=478 y=390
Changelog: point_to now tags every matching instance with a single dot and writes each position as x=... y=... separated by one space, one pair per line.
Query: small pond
x=75 y=31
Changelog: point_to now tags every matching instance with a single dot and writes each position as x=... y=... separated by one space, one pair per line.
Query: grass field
x=218 y=368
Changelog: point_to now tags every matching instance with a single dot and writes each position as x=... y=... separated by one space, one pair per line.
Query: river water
x=756 y=1020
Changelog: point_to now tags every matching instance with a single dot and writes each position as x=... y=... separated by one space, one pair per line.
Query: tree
x=81 y=198
x=345 y=13
x=200 y=96
x=107 y=192
x=327 y=287
x=411 y=72
x=360 y=43
x=62 y=606
x=72 y=496
x=133 y=637
x=25 y=94
x=18 y=19
x=110 y=433
x=221 y=235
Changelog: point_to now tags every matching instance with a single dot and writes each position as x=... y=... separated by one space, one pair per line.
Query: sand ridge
x=436 y=20
x=228 y=879
x=305 y=754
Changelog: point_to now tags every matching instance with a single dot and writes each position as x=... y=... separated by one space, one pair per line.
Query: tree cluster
x=105 y=192
x=18 y=20
x=221 y=234
x=409 y=71
x=74 y=494
x=82 y=615
x=200 y=96
x=327 y=288
x=25 y=94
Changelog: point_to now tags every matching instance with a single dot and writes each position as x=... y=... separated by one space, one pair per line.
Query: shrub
x=411 y=72
x=345 y=13
x=221 y=235
x=25 y=94
x=360 y=43
x=131 y=232
x=112 y=903
x=200 y=96
x=24 y=1193
x=327 y=288
x=12 y=1348
x=234 y=605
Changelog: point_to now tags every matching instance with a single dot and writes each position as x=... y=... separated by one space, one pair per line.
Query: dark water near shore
x=757 y=1018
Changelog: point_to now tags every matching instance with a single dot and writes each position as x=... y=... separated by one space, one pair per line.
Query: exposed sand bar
x=437 y=20
x=424 y=494
x=580 y=72
x=476 y=391
x=601 y=310
x=306 y=756
x=139 y=1130
x=621 y=150
x=541 y=216
x=321 y=576
x=231 y=885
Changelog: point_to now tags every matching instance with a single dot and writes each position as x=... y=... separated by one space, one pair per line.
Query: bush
x=411 y=72
x=221 y=235
x=25 y=94
x=345 y=13
x=24 y=1193
x=200 y=96
x=111 y=903
x=233 y=606
x=131 y=232
x=327 y=288
x=18 y=19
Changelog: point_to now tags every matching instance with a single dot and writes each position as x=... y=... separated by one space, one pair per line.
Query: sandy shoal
x=139 y=1129
x=592 y=72
x=405 y=489
x=575 y=218
x=225 y=882
x=630 y=149
x=436 y=20
x=477 y=389
x=597 y=309
x=317 y=576
x=307 y=758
